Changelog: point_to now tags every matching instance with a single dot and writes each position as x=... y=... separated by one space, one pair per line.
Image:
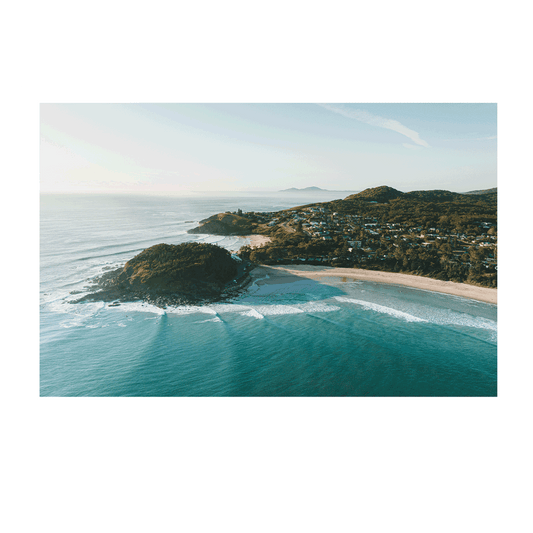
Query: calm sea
x=340 y=338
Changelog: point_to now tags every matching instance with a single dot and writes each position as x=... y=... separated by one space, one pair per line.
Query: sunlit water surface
x=333 y=338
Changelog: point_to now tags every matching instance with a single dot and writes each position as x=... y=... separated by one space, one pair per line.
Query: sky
x=184 y=148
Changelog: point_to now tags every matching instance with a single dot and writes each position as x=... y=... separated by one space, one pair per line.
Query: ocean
x=334 y=338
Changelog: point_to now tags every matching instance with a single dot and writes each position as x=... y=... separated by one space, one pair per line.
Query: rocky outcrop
x=225 y=224
x=166 y=274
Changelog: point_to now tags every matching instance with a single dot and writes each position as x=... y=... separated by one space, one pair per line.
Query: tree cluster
x=378 y=253
x=188 y=261
x=460 y=214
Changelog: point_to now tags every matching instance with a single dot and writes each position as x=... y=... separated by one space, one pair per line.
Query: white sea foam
x=57 y=303
x=140 y=307
x=381 y=309
x=261 y=311
x=463 y=319
x=214 y=239
x=83 y=309
x=229 y=308
x=430 y=314
x=78 y=313
x=191 y=310
x=276 y=310
x=317 y=307
x=464 y=300
x=253 y=313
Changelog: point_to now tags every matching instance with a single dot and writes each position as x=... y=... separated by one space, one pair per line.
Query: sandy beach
x=290 y=273
x=255 y=241
x=258 y=240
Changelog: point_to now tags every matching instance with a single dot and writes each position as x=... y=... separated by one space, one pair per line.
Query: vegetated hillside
x=169 y=274
x=225 y=224
x=170 y=265
x=386 y=194
x=440 y=234
x=376 y=194
x=489 y=197
x=435 y=195
x=420 y=208
x=483 y=191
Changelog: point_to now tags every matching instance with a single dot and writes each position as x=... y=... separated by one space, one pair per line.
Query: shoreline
x=286 y=274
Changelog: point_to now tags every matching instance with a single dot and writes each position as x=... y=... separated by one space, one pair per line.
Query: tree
x=444 y=221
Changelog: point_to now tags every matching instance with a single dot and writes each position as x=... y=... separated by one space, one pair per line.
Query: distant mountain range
x=310 y=189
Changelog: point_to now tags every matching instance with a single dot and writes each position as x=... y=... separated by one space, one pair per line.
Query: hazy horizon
x=265 y=148
x=285 y=194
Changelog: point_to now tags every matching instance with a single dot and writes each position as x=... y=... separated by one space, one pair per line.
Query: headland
x=432 y=240
x=166 y=274
x=441 y=235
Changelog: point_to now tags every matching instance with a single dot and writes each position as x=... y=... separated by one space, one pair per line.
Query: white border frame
x=31 y=405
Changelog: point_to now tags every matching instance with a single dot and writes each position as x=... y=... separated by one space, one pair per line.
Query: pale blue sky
x=252 y=147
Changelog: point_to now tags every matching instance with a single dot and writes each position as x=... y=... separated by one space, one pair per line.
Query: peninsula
x=437 y=234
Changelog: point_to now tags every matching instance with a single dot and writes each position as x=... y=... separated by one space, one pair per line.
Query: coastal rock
x=225 y=224
x=167 y=274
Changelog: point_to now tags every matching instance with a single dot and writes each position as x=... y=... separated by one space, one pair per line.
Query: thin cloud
x=375 y=120
x=491 y=138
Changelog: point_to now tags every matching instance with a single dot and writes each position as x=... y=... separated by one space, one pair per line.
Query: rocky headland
x=226 y=224
x=166 y=274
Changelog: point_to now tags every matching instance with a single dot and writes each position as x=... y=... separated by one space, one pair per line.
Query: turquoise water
x=307 y=338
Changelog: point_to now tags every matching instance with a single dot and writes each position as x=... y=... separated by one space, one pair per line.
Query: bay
x=336 y=338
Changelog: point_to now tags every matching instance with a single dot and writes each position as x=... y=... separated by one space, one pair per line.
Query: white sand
x=286 y=274
x=258 y=240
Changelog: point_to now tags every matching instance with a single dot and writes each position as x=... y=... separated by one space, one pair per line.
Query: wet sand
x=289 y=273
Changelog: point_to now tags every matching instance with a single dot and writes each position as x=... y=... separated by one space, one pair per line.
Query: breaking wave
x=381 y=309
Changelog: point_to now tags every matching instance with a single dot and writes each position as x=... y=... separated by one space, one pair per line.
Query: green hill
x=224 y=224
x=494 y=190
x=376 y=194
x=169 y=274
x=386 y=194
x=169 y=266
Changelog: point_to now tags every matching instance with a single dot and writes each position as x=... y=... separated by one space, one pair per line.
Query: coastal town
x=316 y=234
